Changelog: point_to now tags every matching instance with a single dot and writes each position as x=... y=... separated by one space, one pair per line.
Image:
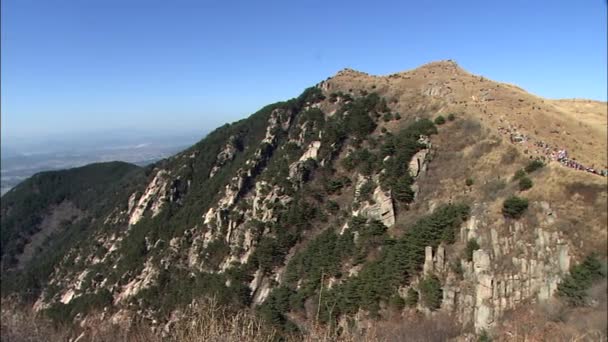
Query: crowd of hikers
x=547 y=152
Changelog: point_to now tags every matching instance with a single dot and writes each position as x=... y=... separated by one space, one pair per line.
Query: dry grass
x=567 y=324
x=443 y=87
x=207 y=321
x=210 y=322
x=21 y=325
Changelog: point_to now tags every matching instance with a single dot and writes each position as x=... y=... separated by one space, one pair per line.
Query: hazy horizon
x=21 y=159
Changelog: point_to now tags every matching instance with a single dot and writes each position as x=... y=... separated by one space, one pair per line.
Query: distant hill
x=30 y=157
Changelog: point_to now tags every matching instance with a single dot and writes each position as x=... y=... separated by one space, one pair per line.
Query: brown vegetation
x=210 y=322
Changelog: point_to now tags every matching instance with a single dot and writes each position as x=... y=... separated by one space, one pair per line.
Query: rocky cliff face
x=313 y=195
x=518 y=266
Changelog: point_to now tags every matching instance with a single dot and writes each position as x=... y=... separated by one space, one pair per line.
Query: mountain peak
x=448 y=66
x=350 y=72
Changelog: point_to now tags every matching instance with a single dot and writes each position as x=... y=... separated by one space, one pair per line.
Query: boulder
x=417 y=162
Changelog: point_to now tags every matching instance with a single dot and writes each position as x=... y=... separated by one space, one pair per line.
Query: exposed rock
x=438 y=89
x=122 y=317
x=312 y=151
x=264 y=199
x=153 y=197
x=439 y=259
x=481 y=261
x=428 y=260
x=67 y=296
x=279 y=119
x=297 y=170
x=563 y=258
x=142 y=281
x=226 y=154
x=417 y=162
x=382 y=209
x=434 y=263
x=260 y=287
x=534 y=274
x=470 y=231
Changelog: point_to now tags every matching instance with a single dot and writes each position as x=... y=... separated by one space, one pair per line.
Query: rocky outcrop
x=142 y=281
x=153 y=198
x=226 y=154
x=260 y=287
x=232 y=222
x=264 y=200
x=297 y=170
x=380 y=207
x=418 y=163
x=419 y=160
x=434 y=263
x=438 y=89
x=311 y=152
x=515 y=265
x=279 y=120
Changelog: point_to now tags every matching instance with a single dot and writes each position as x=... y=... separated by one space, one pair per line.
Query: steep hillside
x=51 y=211
x=367 y=199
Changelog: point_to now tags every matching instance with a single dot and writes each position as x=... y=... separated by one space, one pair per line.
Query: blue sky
x=93 y=65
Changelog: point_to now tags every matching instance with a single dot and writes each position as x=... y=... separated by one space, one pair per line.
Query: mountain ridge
x=359 y=179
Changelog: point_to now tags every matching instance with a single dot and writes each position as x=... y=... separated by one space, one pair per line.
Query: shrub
x=359 y=123
x=396 y=263
x=383 y=130
x=451 y=117
x=484 y=337
x=396 y=302
x=534 y=165
x=366 y=190
x=267 y=254
x=430 y=291
x=440 y=120
x=525 y=183
x=469 y=181
x=387 y=117
x=65 y=313
x=401 y=147
x=397 y=116
x=472 y=246
x=514 y=207
x=335 y=185
x=362 y=160
x=333 y=206
x=456 y=267
x=574 y=286
x=333 y=97
x=411 y=299
x=402 y=189
x=519 y=174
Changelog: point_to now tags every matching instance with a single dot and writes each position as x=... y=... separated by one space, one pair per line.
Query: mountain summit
x=431 y=195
